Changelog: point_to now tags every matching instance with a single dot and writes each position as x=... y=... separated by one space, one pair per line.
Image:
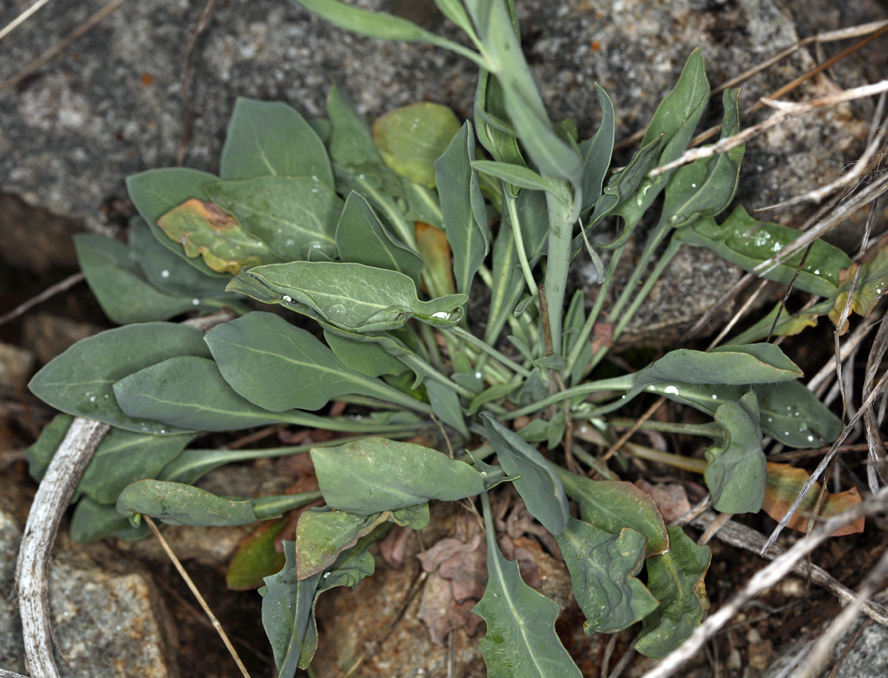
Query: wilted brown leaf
x=783 y=485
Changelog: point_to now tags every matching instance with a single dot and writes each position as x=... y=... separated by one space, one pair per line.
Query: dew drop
x=443 y=315
x=338 y=309
x=196 y=302
x=287 y=299
x=164 y=273
x=670 y=389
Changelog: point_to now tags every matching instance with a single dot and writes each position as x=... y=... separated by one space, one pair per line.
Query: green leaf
x=362 y=239
x=80 y=380
x=412 y=137
x=374 y=474
x=611 y=505
x=788 y=325
x=41 y=452
x=287 y=612
x=490 y=395
x=279 y=367
x=445 y=405
x=520 y=641
x=170 y=273
x=516 y=175
x=255 y=558
x=322 y=535
x=706 y=186
x=92 y=521
x=351 y=142
x=190 y=393
x=673 y=124
x=737 y=473
x=123 y=294
x=356 y=297
x=493 y=131
x=675 y=579
x=378 y=25
x=747 y=242
x=538 y=484
x=790 y=413
x=465 y=216
x=294 y=216
x=156 y=192
x=724 y=365
x=603 y=569
x=180 y=504
x=270 y=138
x=355 y=563
x=368 y=358
x=521 y=94
x=124 y=457
x=597 y=151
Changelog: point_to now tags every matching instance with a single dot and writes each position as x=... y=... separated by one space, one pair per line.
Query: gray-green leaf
x=268 y=138
x=465 y=217
x=538 y=485
x=375 y=474
x=737 y=471
x=356 y=297
x=603 y=572
x=80 y=380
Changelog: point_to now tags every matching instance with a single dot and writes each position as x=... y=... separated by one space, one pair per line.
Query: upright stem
x=558 y=258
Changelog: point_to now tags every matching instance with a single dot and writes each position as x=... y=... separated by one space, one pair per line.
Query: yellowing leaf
x=203 y=229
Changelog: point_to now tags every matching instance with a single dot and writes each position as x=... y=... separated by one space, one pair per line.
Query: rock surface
x=108 y=622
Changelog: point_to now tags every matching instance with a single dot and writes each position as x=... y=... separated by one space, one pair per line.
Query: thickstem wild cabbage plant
x=378 y=237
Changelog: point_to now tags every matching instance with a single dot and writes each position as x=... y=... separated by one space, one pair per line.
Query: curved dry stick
x=32 y=567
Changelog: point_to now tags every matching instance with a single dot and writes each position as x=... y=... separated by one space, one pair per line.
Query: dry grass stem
x=764 y=579
x=200 y=599
x=21 y=18
x=50 y=291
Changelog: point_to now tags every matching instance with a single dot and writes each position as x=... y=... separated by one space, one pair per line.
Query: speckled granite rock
x=108 y=622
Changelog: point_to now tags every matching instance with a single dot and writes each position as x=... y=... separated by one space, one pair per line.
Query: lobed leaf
x=520 y=641
x=80 y=380
x=747 y=242
x=603 y=572
x=374 y=474
x=790 y=413
x=675 y=578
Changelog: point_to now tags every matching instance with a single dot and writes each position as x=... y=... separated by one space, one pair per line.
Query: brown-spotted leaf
x=204 y=229
x=784 y=484
x=872 y=283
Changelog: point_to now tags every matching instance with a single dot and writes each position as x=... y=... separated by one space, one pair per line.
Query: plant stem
x=648 y=453
x=488 y=349
x=511 y=205
x=623 y=383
